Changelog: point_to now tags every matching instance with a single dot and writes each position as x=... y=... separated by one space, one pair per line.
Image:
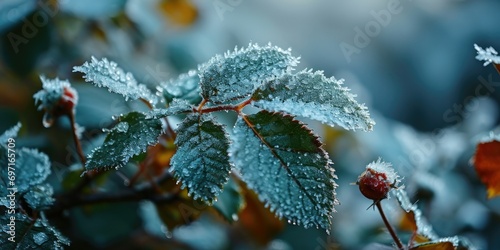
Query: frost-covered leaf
x=230 y=201
x=130 y=137
x=237 y=74
x=487 y=164
x=22 y=168
x=283 y=161
x=31 y=168
x=177 y=106
x=201 y=162
x=488 y=55
x=40 y=197
x=312 y=95
x=186 y=87
x=30 y=235
x=447 y=243
x=10 y=133
x=107 y=74
x=423 y=228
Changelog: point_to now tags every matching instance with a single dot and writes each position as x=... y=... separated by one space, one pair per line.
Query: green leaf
x=30 y=235
x=284 y=163
x=237 y=74
x=107 y=74
x=230 y=201
x=40 y=197
x=312 y=95
x=130 y=137
x=186 y=87
x=201 y=162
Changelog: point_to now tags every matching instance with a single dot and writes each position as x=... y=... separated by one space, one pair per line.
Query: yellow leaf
x=180 y=12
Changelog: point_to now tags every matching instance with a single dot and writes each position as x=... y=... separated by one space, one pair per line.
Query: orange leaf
x=157 y=159
x=435 y=246
x=497 y=67
x=487 y=164
x=257 y=220
x=408 y=223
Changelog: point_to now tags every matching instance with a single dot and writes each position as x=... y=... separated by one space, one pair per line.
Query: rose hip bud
x=377 y=180
x=57 y=98
x=67 y=102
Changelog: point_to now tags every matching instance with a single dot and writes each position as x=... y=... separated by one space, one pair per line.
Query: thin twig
x=389 y=227
x=146 y=191
x=76 y=139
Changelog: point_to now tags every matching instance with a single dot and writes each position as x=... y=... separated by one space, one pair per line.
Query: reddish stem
x=75 y=138
x=389 y=227
x=238 y=107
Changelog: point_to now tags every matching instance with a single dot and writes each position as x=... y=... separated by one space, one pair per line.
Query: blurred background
x=411 y=62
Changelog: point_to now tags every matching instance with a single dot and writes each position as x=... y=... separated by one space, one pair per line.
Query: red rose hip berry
x=377 y=180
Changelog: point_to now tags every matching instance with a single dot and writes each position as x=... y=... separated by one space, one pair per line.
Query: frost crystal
x=314 y=96
x=52 y=93
x=107 y=74
x=284 y=163
x=237 y=74
x=488 y=56
x=387 y=169
x=201 y=162
x=186 y=87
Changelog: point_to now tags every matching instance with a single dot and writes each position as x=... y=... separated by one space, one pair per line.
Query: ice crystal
x=488 y=55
